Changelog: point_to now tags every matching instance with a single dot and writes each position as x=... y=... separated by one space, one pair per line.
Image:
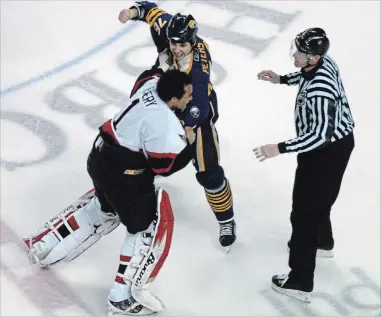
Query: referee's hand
x=266 y=151
x=269 y=75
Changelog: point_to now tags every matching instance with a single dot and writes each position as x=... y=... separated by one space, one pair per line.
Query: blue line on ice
x=76 y=60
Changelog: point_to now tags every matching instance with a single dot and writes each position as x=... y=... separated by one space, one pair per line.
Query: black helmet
x=312 y=41
x=182 y=29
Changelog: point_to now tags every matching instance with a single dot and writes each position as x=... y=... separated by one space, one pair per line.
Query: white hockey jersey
x=148 y=125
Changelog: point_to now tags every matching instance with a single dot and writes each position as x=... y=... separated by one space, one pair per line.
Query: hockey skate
x=129 y=307
x=227 y=234
x=325 y=251
x=282 y=284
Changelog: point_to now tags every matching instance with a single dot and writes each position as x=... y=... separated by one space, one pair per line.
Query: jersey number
x=158 y=25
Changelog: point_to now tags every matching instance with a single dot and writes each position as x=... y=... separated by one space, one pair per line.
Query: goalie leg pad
x=151 y=248
x=161 y=242
x=155 y=257
x=71 y=232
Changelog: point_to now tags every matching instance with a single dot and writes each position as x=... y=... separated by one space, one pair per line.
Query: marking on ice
x=76 y=60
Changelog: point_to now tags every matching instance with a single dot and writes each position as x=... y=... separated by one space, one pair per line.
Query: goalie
x=143 y=140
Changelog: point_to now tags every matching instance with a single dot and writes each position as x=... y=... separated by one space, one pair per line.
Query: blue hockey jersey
x=198 y=64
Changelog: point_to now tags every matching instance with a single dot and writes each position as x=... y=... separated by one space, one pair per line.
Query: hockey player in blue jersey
x=180 y=48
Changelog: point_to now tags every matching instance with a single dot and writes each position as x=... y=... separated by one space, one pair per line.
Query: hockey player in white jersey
x=143 y=140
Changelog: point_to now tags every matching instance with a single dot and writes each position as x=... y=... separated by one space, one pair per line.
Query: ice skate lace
x=226 y=229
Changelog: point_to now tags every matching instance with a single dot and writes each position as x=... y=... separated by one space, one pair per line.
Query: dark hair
x=171 y=84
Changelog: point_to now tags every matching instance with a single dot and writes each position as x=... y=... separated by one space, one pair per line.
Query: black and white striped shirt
x=322 y=113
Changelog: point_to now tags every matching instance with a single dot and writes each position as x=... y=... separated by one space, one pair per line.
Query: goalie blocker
x=82 y=223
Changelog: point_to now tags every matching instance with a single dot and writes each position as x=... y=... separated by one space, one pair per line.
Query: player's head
x=309 y=46
x=175 y=89
x=182 y=35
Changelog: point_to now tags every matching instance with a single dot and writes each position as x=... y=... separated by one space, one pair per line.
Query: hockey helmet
x=182 y=29
x=312 y=41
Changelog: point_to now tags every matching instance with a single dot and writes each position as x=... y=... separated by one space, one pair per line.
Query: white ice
x=198 y=279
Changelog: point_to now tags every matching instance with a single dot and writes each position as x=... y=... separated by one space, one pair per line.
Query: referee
x=324 y=143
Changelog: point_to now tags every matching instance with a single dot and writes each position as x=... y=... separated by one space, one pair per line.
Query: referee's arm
x=290 y=79
x=321 y=128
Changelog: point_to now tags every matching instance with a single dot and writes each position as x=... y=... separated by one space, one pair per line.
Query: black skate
x=129 y=307
x=281 y=284
x=227 y=234
x=323 y=251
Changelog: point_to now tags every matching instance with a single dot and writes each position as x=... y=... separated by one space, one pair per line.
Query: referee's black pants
x=317 y=184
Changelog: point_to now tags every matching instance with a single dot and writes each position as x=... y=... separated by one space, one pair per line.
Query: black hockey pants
x=124 y=184
x=317 y=184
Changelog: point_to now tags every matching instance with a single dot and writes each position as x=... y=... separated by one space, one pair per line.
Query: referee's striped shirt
x=322 y=113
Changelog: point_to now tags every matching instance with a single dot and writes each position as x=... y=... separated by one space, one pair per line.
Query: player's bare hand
x=191 y=136
x=269 y=75
x=127 y=14
x=164 y=60
x=266 y=151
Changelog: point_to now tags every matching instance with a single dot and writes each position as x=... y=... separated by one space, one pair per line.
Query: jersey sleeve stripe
x=141 y=82
x=162 y=155
x=108 y=129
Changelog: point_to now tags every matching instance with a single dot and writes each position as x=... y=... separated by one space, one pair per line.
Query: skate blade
x=113 y=311
x=227 y=249
x=304 y=297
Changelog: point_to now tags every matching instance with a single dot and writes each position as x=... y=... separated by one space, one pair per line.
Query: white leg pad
x=155 y=256
x=71 y=232
x=149 y=254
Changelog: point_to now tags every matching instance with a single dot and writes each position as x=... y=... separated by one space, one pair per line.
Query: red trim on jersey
x=107 y=128
x=162 y=155
x=137 y=84
x=162 y=170
x=170 y=156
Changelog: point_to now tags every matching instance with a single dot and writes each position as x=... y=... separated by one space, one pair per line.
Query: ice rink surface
x=66 y=66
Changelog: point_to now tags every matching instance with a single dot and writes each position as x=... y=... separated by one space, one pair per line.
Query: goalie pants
x=317 y=184
x=132 y=197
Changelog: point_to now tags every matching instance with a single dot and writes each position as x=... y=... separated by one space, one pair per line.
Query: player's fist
x=269 y=75
x=164 y=60
x=191 y=136
x=127 y=14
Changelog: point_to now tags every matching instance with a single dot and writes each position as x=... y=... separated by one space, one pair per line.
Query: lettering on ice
x=59 y=99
